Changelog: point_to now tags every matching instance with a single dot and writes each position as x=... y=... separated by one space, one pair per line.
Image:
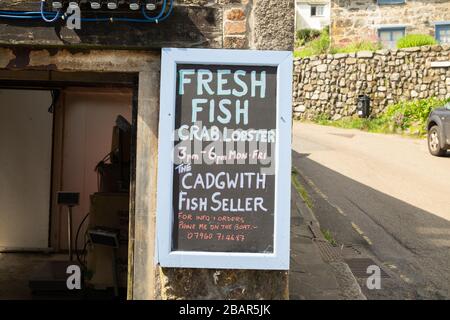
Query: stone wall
x=258 y=24
x=330 y=84
x=359 y=20
x=208 y=284
x=242 y=24
x=238 y=24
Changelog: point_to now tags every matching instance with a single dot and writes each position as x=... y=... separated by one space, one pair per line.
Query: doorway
x=50 y=145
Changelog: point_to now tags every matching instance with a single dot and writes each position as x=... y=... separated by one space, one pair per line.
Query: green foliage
x=329 y=237
x=372 y=125
x=321 y=44
x=301 y=190
x=415 y=40
x=317 y=45
x=304 y=52
x=306 y=35
x=322 y=118
x=357 y=46
x=408 y=117
x=411 y=115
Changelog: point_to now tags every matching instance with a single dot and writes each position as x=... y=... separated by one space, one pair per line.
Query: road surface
x=385 y=196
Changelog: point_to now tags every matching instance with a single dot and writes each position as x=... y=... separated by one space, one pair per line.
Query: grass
x=329 y=237
x=322 y=45
x=317 y=46
x=415 y=40
x=301 y=190
x=304 y=53
x=314 y=44
x=371 y=125
x=357 y=46
x=405 y=117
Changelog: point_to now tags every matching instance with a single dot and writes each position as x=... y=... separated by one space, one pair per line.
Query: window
x=317 y=11
x=391 y=1
x=390 y=36
x=443 y=33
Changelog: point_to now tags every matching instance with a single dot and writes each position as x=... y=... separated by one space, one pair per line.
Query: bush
x=411 y=115
x=315 y=47
x=306 y=35
x=325 y=30
x=357 y=46
x=321 y=44
x=415 y=40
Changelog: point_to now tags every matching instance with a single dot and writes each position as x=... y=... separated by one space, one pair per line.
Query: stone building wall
x=330 y=84
x=356 y=20
x=240 y=24
x=258 y=24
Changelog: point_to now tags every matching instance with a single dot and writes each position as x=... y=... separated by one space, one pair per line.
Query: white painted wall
x=25 y=168
x=303 y=18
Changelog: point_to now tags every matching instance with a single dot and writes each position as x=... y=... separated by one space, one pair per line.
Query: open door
x=25 y=169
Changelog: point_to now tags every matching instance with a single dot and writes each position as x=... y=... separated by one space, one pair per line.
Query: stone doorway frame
x=37 y=65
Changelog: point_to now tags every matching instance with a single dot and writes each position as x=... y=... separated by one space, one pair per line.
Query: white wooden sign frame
x=165 y=256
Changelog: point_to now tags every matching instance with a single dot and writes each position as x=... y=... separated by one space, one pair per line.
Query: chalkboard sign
x=224 y=159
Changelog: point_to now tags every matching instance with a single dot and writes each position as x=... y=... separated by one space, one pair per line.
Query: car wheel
x=434 y=142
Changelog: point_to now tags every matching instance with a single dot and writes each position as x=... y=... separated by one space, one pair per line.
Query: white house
x=312 y=14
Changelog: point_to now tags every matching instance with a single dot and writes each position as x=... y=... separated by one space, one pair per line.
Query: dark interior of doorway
x=25 y=261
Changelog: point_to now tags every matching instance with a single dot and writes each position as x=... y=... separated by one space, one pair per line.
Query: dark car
x=439 y=131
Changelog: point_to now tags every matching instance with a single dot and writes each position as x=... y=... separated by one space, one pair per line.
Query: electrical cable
x=87 y=241
x=169 y=12
x=25 y=13
x=155 y=19
x=76 y=240
x=85 y=254
x=51 y=20
x=50 y=16
x=20 y=17
x=55 y=96
x=38 y=15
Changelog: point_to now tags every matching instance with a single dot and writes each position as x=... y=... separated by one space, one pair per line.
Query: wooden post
x=143 y=282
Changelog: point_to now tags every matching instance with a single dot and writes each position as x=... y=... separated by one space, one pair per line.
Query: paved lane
x=390 y=191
